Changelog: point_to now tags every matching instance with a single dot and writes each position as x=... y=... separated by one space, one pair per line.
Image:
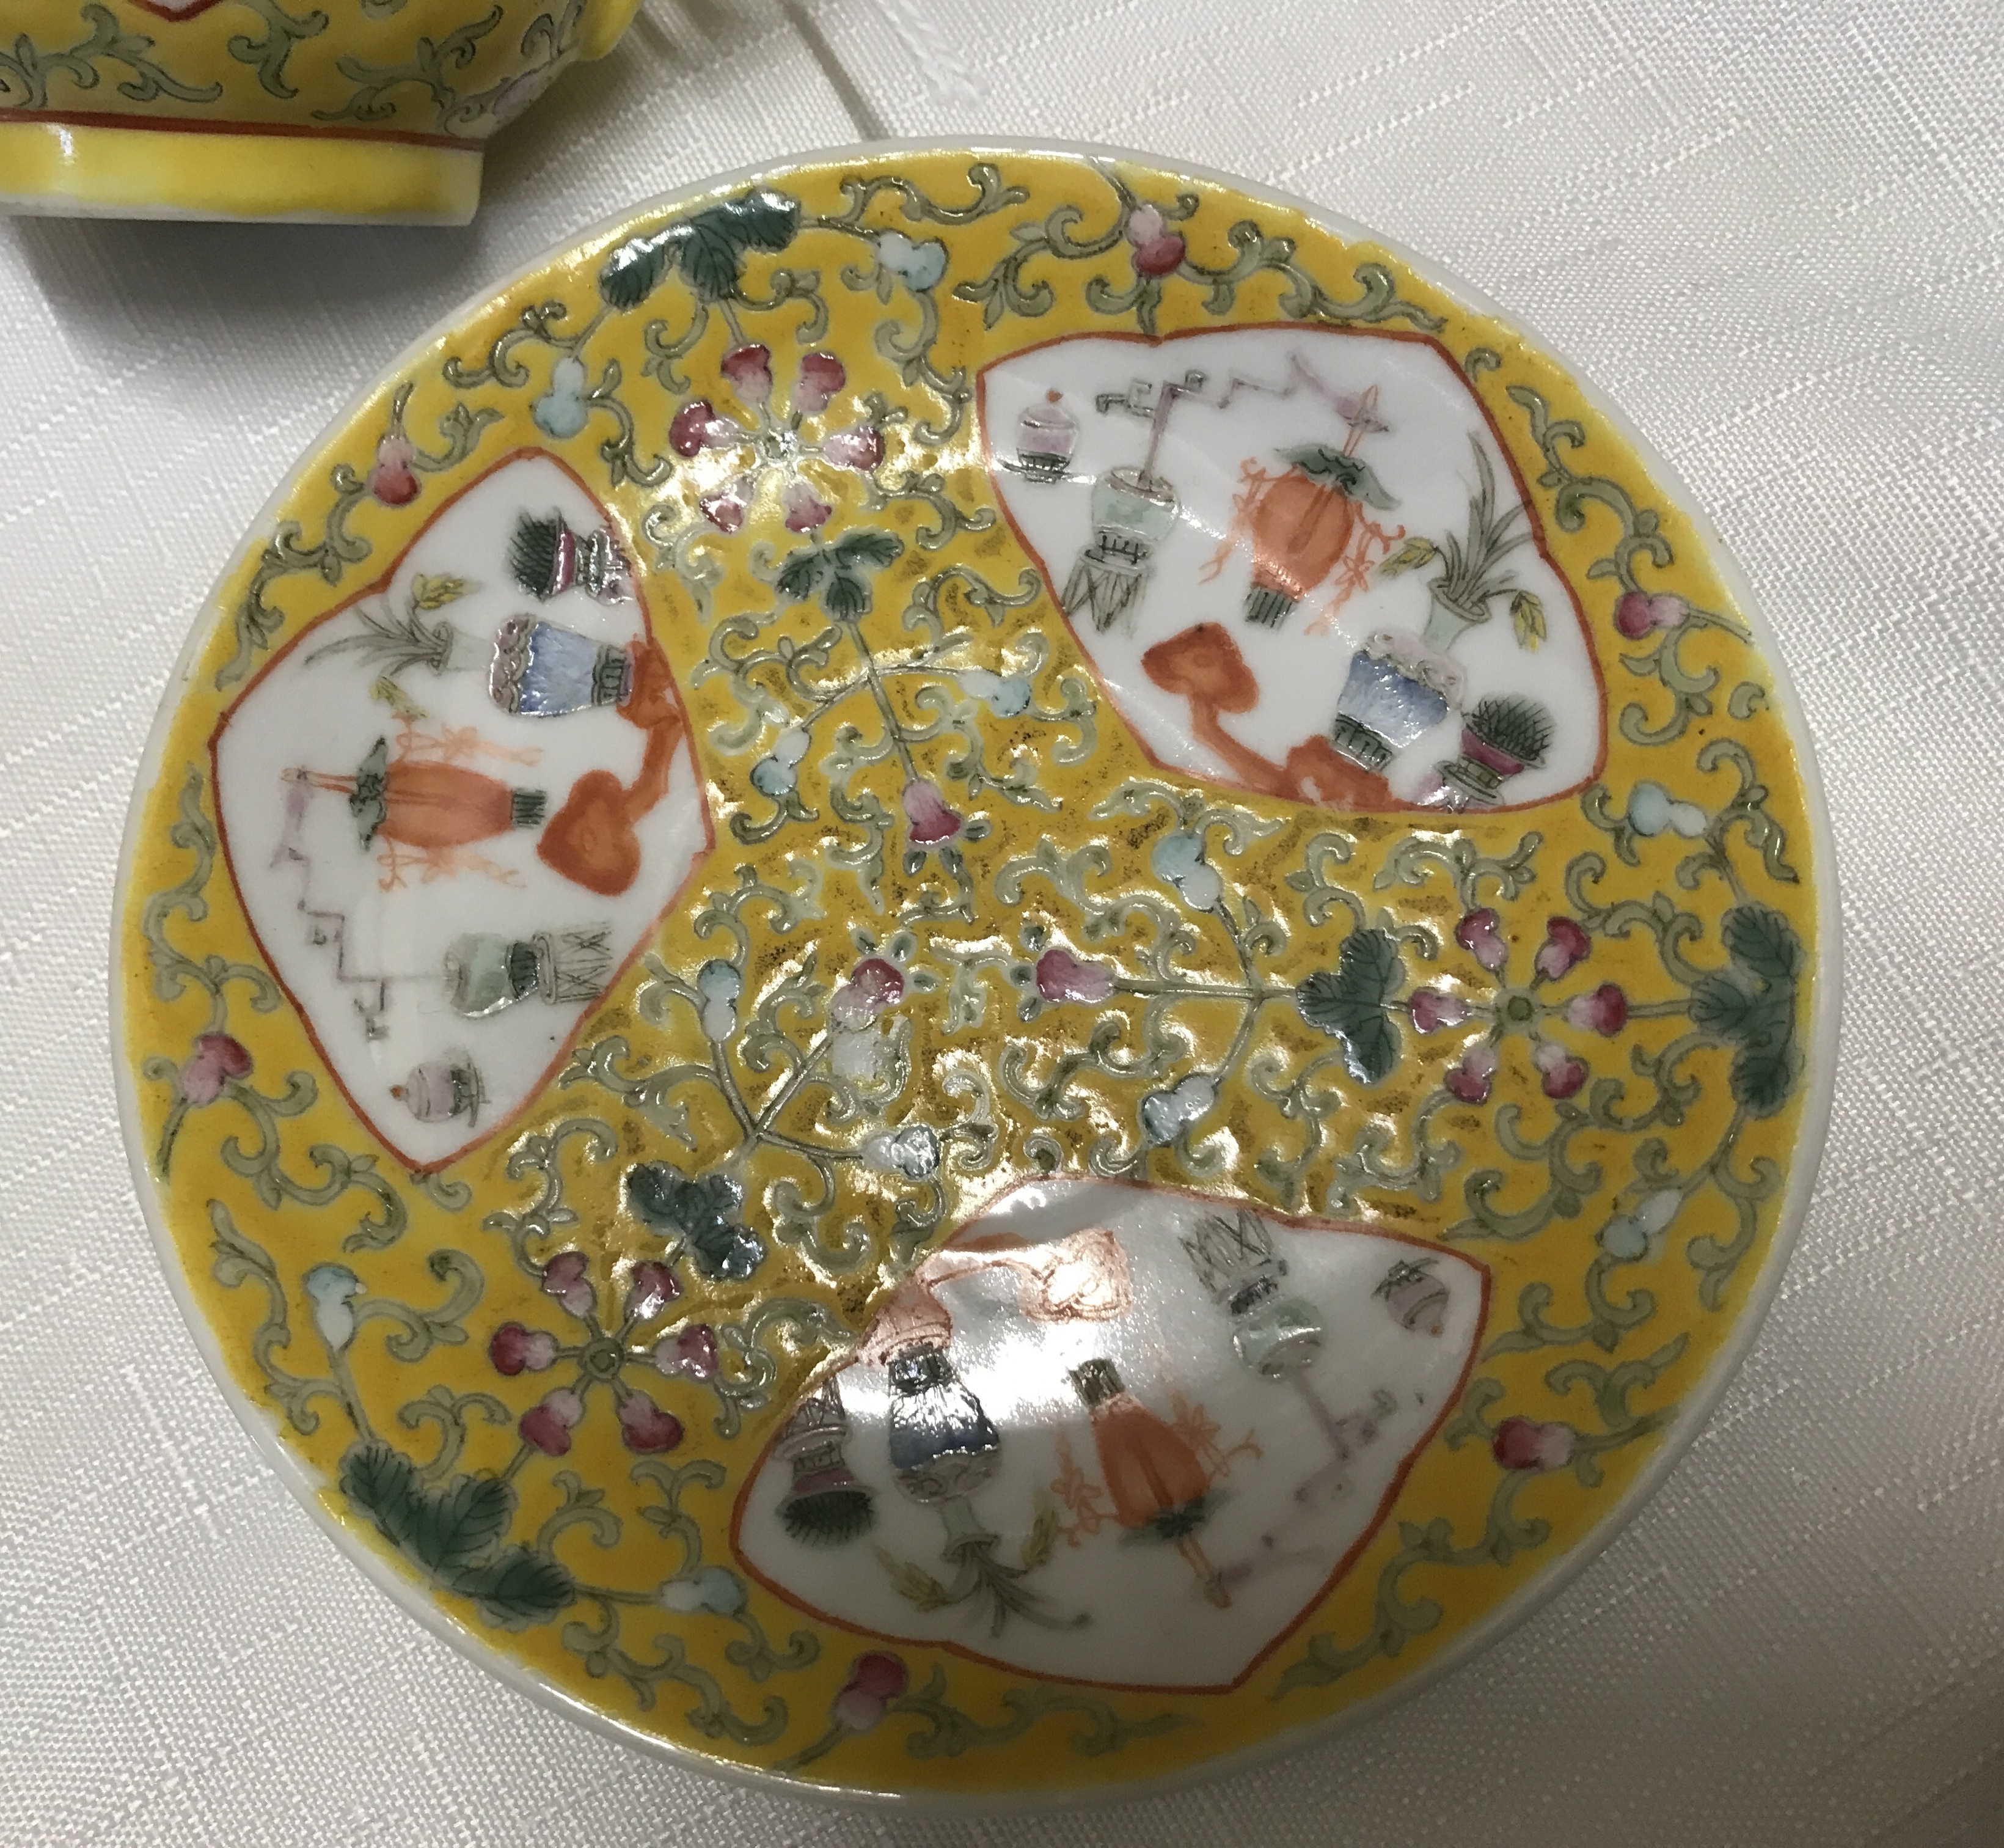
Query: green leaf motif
x=1347 y=474
x=517 y=1589
x=1752 y=1006
x=446 y=1531
x=451 y=1529
x=383 y=1484
x=1761 y=1081
x=1760 y=941
x=802 y=574
x=1352 y=1002
x=709 y=245
x=868 y=546
x=847 y=595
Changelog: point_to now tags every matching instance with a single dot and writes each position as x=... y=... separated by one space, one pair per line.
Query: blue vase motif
x=542 y=670
x=942 y=1443
x=1396 y=690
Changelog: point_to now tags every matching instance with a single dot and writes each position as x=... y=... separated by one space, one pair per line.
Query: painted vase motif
x=487 y=971
x=943 y=1446
x=1502 y=738
x=542 y=670
x=1397 y=689
x=547 y=558
x=826 y=1505
x=1047 y=433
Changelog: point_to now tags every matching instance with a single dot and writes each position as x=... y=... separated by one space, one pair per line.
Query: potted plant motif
x=1401 y=686
x=1506 y=735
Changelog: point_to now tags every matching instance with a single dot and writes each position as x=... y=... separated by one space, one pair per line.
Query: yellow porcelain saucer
x=979 y=974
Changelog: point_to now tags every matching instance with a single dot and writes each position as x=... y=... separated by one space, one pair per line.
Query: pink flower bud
x=1565 y=944
x=1061 y=977
x=1605 y=1011
x=1524 y=1443
x=822 y=376
x=724 y=507
x=565 y=1278
x=1145 y=223
x=1470 y=1080
x=690 y=1353
x=696 y=427
x=805 y=510
x=861 y=447
x=547 y=1424
x=645 y=1427
x=390 y=480
x=931 y=820
x=653 y=1286
x=1638 y=613
x=1480 y=934
x=1563 y=1074
x=1433 y=1010
x=749 y=369
x=515 y=1349
x=216 y=1060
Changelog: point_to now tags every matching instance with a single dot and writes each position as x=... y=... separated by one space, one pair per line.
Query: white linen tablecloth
x=1772 y=231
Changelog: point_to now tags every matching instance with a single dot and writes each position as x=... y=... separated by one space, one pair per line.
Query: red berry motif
x=1605 y=1011
x=645 y=1427
x=1638 y=613
x=1061 y=977
x=391 y=480
x=653 y=1286
x=822 y=376
x=1470 y=1080
x=515 y=1349
x=565 y=1278
x=1480 y=933
x=1524 y=1443
x=749 y=370
x=547 y=1425
x=1565 y=944
x=1432 y=1010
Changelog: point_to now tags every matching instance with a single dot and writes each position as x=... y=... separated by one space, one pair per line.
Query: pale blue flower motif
x=913 y=1151
x=1651 y=811
x=918 y=266
x=1179 y=859
x=561 y=411
x=1006 y=695
x=1165 y=1115
x=720 y=984
x=1628 y=1237
x=331 y=1289
x=778 y=771
x=713 y=1589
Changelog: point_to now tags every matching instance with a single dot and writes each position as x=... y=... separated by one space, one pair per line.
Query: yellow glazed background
x=266 y=109
x=1437 y=1552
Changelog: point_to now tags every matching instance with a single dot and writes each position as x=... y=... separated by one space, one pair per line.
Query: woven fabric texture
x=1773 y=231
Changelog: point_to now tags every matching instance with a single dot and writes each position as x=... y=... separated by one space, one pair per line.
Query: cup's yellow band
x=62 y=166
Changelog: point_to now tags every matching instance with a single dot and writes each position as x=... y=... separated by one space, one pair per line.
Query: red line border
x=1099 y=674
x=1392 y=1491
x=535 y=1092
